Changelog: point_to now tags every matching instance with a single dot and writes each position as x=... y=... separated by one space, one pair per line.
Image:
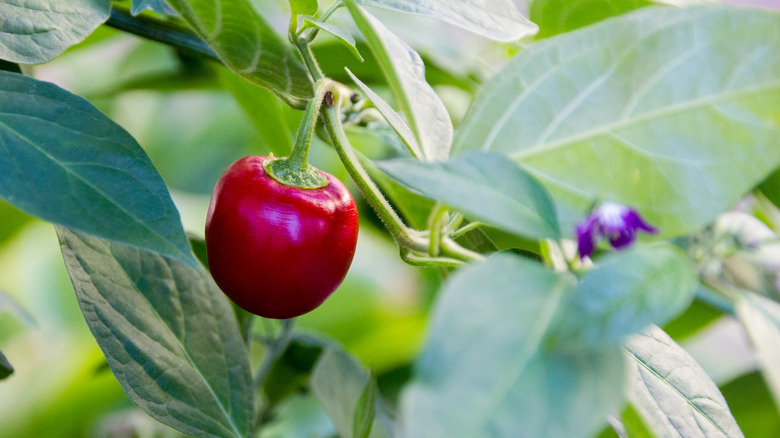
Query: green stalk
x=295 y=170
x=160 y=31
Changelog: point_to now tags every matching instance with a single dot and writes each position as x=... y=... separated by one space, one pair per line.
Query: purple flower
x=618 y=223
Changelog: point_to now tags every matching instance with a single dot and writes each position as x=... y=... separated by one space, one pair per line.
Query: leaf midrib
x=652 y=371
x=669 y=110
x=86 y=182
x=177 y=342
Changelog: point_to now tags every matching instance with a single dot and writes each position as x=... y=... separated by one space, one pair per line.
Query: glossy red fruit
x=275 y=250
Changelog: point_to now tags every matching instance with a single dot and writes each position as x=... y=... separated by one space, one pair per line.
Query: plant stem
x=300 y=153
x=160 y=31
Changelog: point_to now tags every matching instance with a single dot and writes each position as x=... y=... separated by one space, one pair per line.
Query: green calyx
x=295 y=170
x=295 y=174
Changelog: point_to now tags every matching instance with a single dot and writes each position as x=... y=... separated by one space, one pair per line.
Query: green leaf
x=484 y=185
x=365 y=410
x=405 y=72
x=496 y=19
x=338 y=382
x=155 y=5
x=37 y=31
x=64 y=161
x=672 y=393
x=626 y=292
x=305 y=7
x=168 y=333
x=623 y=111
x=5 y=367
x=341 y=34
x=633 y=424
x=761 y=318
x=395 y=120
x=559 y=16
x=483 y=371
x=247 y=44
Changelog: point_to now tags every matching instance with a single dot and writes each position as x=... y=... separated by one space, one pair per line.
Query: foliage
x=477 y=148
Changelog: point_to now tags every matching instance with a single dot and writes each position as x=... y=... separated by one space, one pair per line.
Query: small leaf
x=626 y=292
x=247 y=44
x=62 y=160
x=482 y=372
x=303 y=7
x=485 y=185
x=405 y=72
x=5 y=367
x=620 y=111
x=155 y=5
x=366 y=410
x=558 y=16
x=395 y=120
x=338 y=382
x=37 y=31
x=672 y=393
x=341 y=34
x=761 y=318
x=496 y=19
x=168 y=334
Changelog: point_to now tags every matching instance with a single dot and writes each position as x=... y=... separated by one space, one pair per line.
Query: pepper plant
x=582 y=190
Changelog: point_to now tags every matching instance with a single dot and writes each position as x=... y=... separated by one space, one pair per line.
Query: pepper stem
x=295 y=170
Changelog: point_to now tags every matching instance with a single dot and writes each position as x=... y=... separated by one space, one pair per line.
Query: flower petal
x=635 y=221
x=587 y=233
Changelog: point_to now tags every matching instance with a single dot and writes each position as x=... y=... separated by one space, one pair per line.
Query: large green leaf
x=168 y=333
x=247 y=44
x=625 y=293
x=62 y=160
x=485 y=185
x=673 y=111
x=338 y=382
x=672 y=392
x=559 y=16
x=405 y=72
x=761 y=318
x=496 y=19
x=36 y=31
x=484 y=373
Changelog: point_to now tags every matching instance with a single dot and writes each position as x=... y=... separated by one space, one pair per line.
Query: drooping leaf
x=761 y=318
x=338 y=382
x=558 y=16
x=340 y=33
x=168 y=333
x=405 y=73
x=484 y=372
x=626 y=292
x=672 y=393
x=394 y=119
x=5 y=367
x=62 y=160
x=672 y=111
x=247 y=44
x=486 y=186
x=155 y=5
x=496 y=19
x=37 y=31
